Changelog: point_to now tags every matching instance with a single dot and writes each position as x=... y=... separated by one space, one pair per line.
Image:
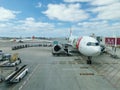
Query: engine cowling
x=57 y=48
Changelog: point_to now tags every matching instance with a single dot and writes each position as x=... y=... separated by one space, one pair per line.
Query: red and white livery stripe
x=78 y=42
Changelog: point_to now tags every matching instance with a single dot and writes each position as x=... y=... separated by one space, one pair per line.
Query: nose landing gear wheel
x=89 y=60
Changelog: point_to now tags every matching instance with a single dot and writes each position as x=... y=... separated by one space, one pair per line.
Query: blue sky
x=53 y=18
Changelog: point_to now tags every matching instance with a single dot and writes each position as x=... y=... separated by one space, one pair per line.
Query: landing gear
x=89 y=60
x=56 y=54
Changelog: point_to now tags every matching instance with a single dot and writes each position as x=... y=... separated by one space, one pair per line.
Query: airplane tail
x=70 y=36
x=70 y=32
x=72 y=39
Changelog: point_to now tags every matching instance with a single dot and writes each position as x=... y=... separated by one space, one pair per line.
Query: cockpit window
x=92 y=44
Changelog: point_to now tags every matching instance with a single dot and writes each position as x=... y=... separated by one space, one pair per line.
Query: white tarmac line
x=20 y=88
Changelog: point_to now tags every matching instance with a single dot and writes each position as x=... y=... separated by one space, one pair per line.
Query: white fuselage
x=86 y=45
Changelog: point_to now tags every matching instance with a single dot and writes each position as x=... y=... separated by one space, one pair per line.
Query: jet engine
x=57 y=49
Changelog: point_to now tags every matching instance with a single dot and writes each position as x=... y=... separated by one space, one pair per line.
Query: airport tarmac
x=47 y=72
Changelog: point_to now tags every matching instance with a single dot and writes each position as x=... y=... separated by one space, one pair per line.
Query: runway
x=47 y=72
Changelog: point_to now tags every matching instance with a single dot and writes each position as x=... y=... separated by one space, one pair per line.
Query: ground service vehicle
x=17 y=75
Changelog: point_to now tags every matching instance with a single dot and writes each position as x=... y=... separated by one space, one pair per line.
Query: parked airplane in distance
x=20 y=40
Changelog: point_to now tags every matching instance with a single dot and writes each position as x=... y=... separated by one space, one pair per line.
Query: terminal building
x=109 y=41
x=112 y=41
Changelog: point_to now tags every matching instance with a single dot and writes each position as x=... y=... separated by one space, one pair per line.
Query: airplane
x=19 y=40
x=22 y=40
x=86 y=45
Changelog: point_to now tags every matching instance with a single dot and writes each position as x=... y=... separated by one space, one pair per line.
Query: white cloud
x=6 y=14
x=103 y=2
x=28 y=26
x=100 y=28
x=77 y=0
x=2 y=25
x=58 y=32
x=39 y=5
x=107 y=9
x=31 y=25
x=63 y=12
x=93 y=24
